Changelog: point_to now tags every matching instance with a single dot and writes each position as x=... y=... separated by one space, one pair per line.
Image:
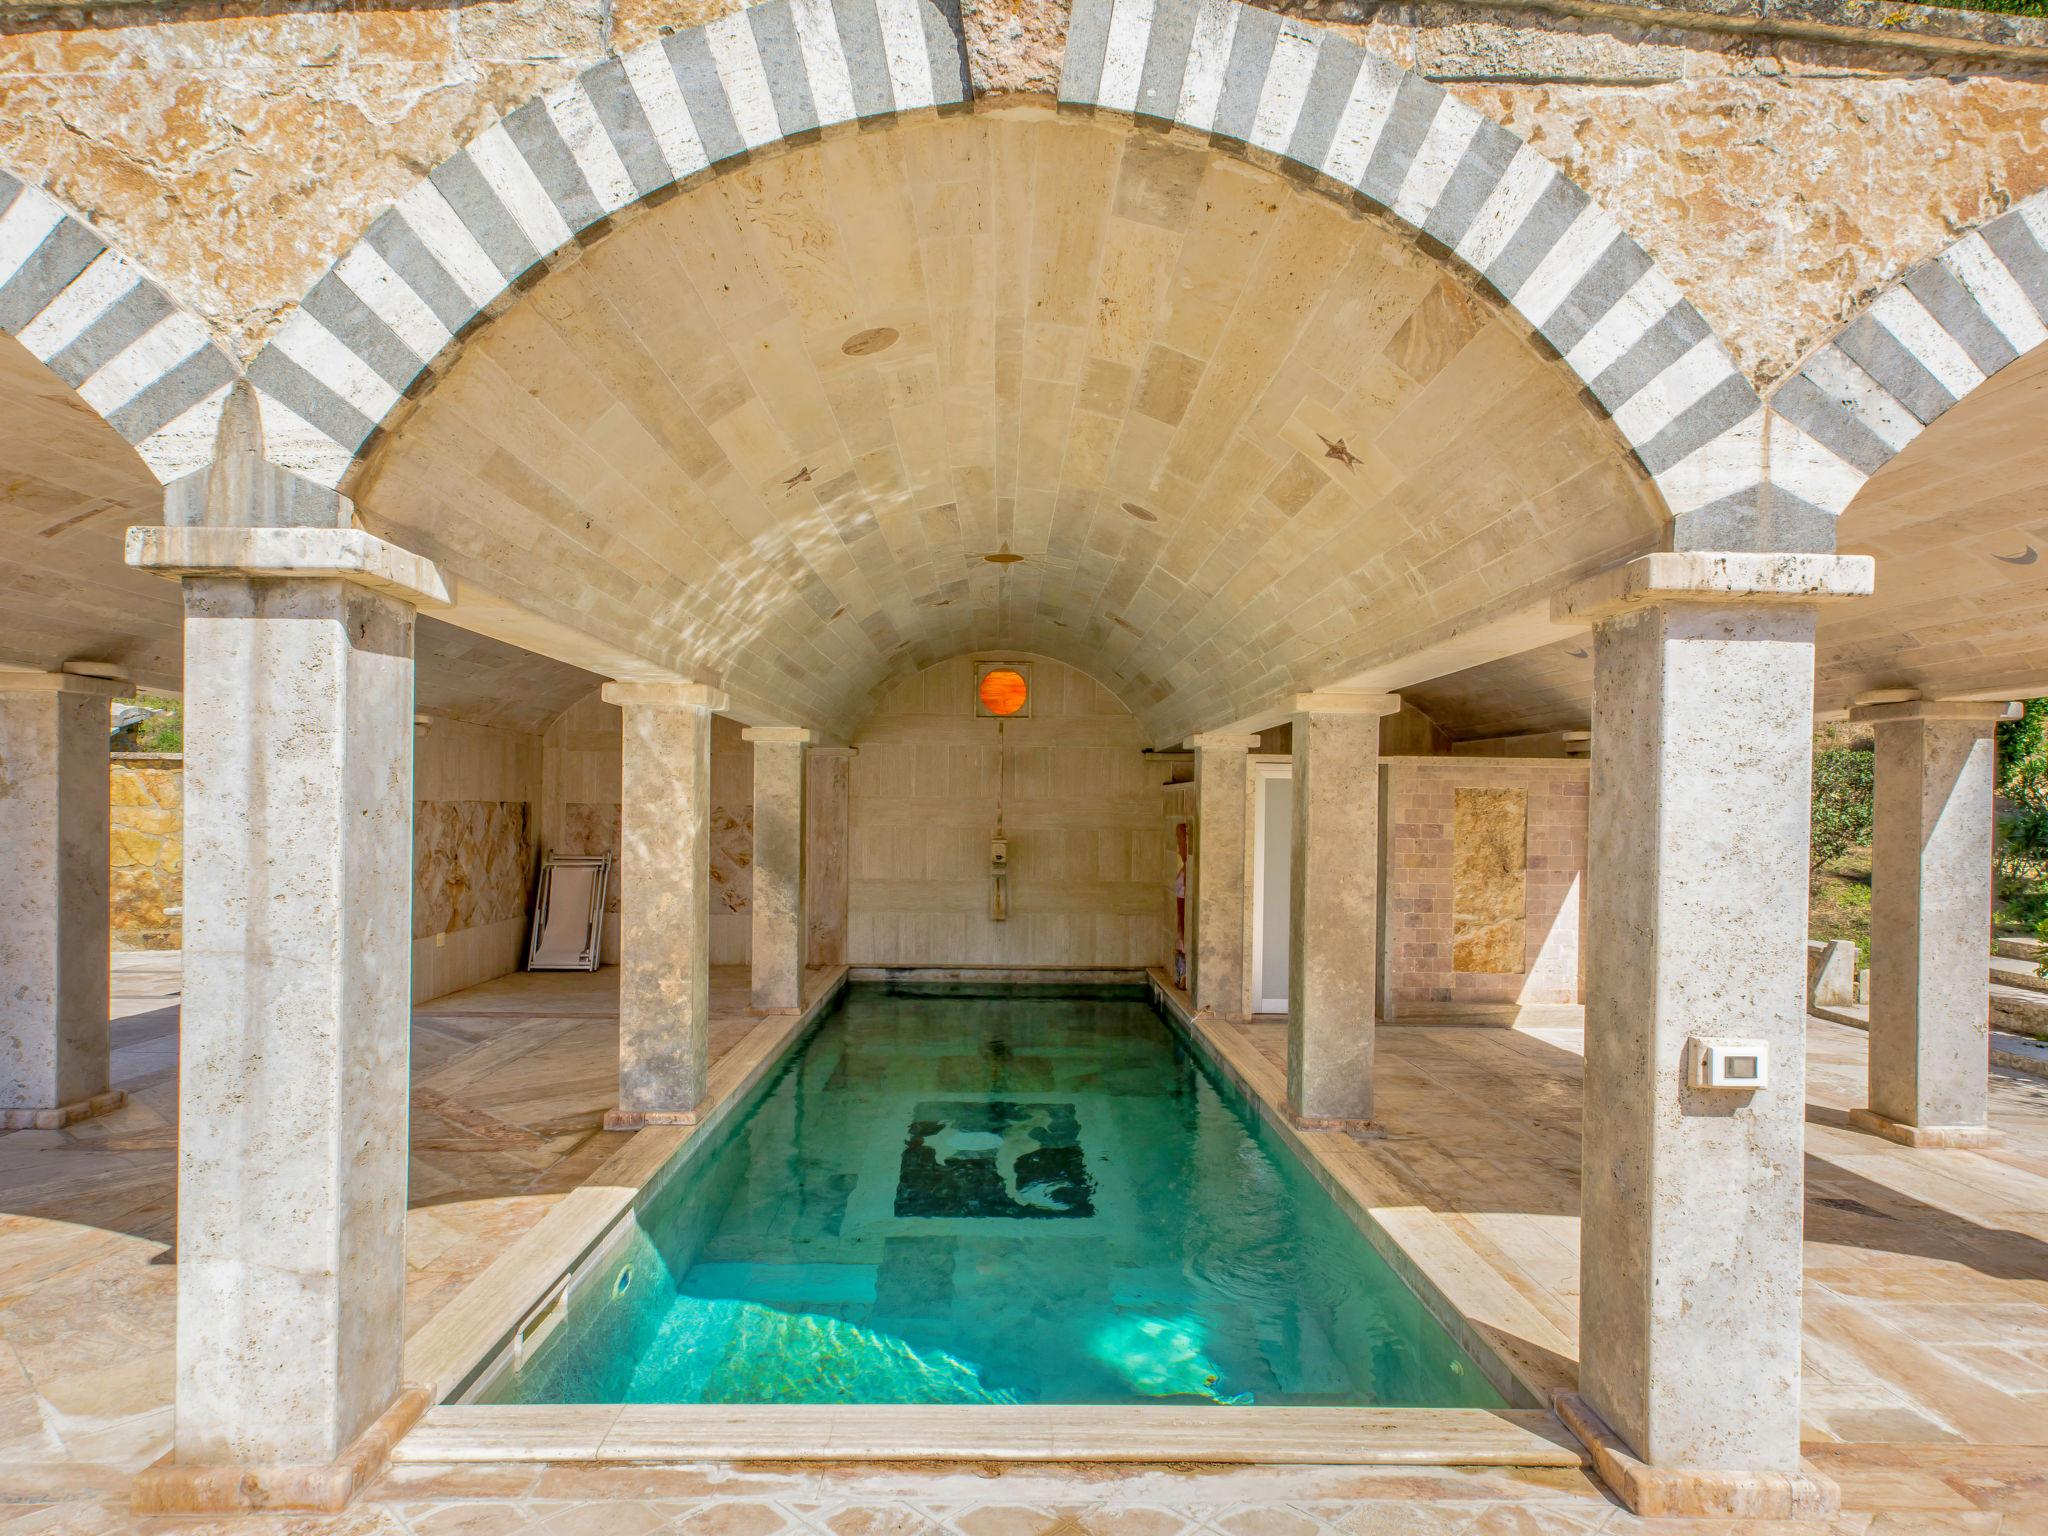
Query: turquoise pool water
x=1009 y=1198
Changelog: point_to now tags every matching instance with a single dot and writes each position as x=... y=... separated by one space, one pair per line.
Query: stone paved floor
x=1927 y=1303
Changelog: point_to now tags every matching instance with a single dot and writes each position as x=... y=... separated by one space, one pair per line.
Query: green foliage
x=2022 y=883
x=1844 y=781
x=2002 y=7
x=163 y=732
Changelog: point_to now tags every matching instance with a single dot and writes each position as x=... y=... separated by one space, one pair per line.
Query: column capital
x=1888 y=708
x=28 y=680
x=345 y=554
x=1714 y=576
x=780 y=735
x=1342 y=701
x=1223 y=741
x=670 y=695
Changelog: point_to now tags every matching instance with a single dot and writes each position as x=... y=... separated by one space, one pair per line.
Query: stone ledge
x=1709 y=576
x=1950 y=1136
x=169 y=1487
x=64 y=1114
x=642 y=1119
x=347 y=553
x=1700 y=1492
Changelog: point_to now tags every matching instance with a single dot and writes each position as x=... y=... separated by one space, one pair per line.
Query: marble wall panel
x=1489 y=880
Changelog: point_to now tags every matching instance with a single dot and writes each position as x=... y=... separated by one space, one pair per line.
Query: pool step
x=636 y=1433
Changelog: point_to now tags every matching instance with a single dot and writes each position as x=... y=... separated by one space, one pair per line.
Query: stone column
x=665 y=900
x=1930 y=922
x=1333 y=925
x=830 y=772
x=1217 y=914
x=53 y=898
x=780 y=817
x=295 y=1033
x=1692 y=1198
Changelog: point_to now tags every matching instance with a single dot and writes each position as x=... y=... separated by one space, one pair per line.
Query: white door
x=1272 y=884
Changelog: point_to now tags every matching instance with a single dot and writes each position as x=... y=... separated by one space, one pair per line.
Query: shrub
x=1844 y=781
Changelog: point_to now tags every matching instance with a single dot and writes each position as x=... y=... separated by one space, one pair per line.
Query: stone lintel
x=1347 y=701
x=1714 y=576
x=24 y=1118
x=1700 y=1492
x=24 y=680
x=1878 y=713
x=676 y=695
x=347 y=554
x=1947 y=1136
x=1223 y=741
x=171 y=1487
x=785 y=735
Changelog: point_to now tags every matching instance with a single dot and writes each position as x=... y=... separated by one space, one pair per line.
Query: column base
x=1956 y=1136
x=64 y=1114
x=170 y=1487
x=763 y=1011
x=1701 y=1492
x=642 y=1119
x=1370 y=1129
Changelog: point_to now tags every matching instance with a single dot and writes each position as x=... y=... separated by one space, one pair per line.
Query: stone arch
x=631 y=128
x=92 y=316
x=1931 y=338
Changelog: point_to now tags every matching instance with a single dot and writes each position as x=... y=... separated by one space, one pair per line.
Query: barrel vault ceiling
x=986 y=381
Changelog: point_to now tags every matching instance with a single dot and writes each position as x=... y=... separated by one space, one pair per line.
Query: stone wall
x=237 y=151
x=1089 y=851
x=147 y=820
x=1485 y=863
x=476 y=795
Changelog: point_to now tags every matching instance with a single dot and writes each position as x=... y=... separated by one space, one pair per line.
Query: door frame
x=1265 y=770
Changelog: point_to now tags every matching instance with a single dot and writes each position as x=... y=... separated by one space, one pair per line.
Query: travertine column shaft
x=53 y=895
x=665 y=891
x=1692 y=1198
x=1221 y=893
x=1333 y=925
x=1930 y=921
x=825 y=875
x=293 y=1056
x=780 y=819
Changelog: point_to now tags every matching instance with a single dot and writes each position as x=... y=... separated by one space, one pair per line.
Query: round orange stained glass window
x=1003 y=692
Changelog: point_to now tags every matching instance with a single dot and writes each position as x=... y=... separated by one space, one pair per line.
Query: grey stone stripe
x=1166 y=58
x=1415 y=104
x=1879 y=353
x=1323 y=103
x=1759 y=518
x=1610 y=277
x=159 y=404
x=1556 y=207
x=66 y=251
x=119 y=324
x=298 y=391
x=359 y=328
x=1961 y=316
x=1244 y=77
x=462 y=184
x=689 y=55
x=625 y=123
x=1727 y=403
x=10 y=189
x=2013 y=243
x=946 y=49
x=782 y=61
x=867 y=60
x=533 y=130
x=1087 y=46
x=1679 y=330
x=1828 y=422
x=407 y=255
x=1484 y=163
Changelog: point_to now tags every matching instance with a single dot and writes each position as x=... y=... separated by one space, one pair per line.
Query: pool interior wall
x=971 y=1194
